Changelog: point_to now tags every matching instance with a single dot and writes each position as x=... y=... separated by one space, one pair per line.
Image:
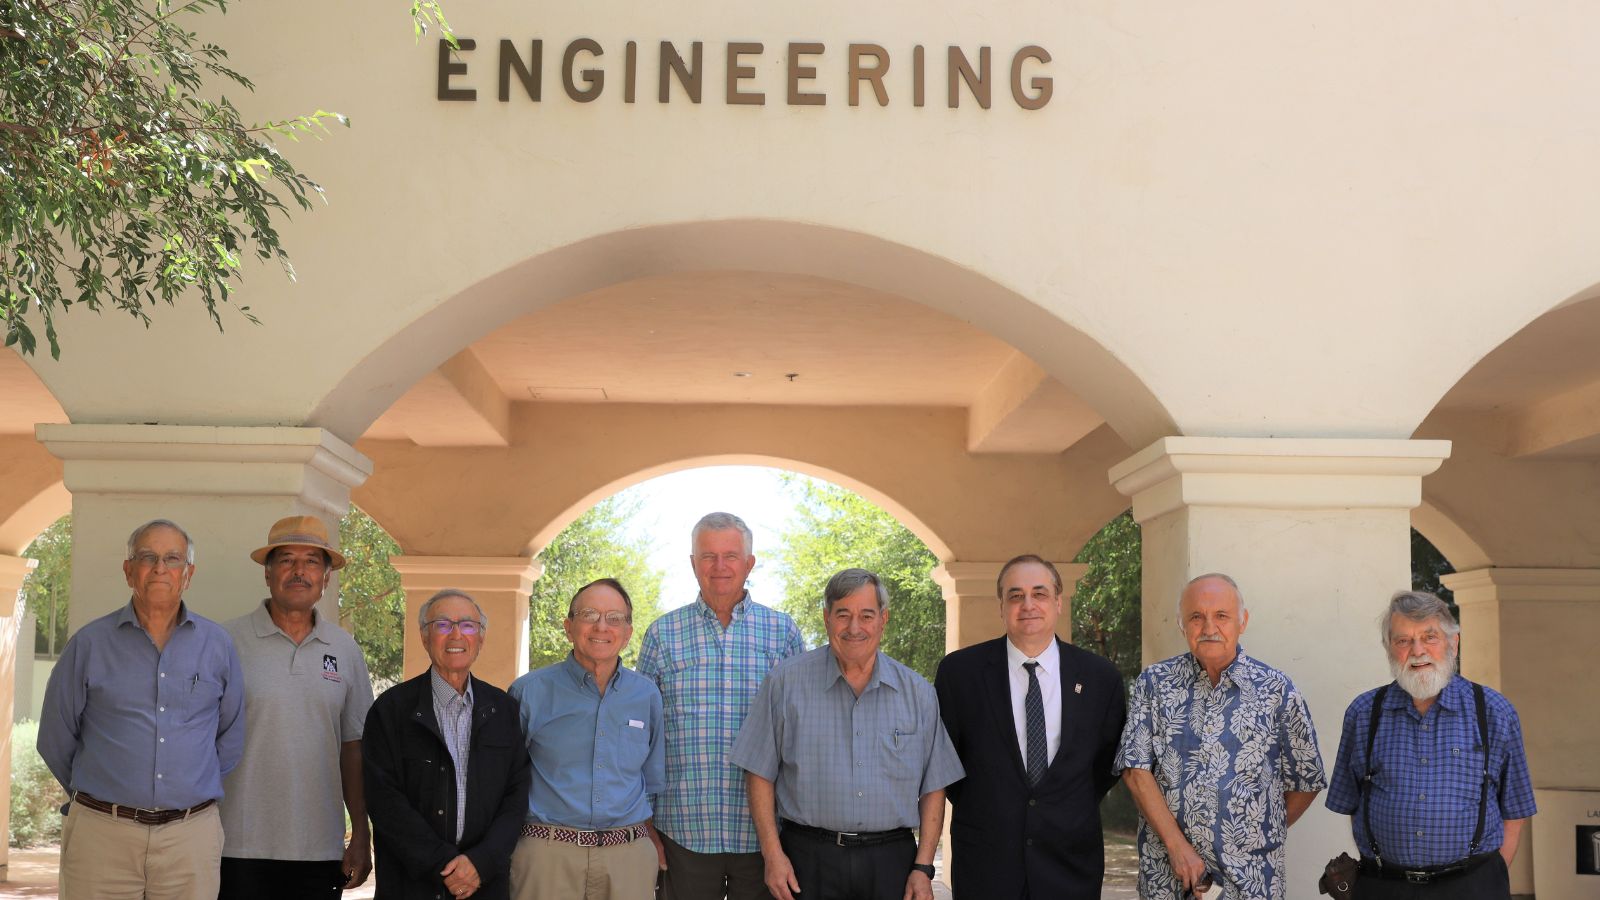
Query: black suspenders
x=1366 y=781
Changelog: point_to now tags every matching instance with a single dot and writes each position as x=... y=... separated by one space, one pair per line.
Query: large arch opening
x=1071 y=356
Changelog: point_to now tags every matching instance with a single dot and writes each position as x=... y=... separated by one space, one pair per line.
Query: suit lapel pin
x=1077 y=689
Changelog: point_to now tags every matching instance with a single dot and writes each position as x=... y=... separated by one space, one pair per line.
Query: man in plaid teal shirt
x=708 y=659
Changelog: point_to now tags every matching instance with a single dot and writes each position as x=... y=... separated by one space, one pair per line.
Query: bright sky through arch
x=671 y=504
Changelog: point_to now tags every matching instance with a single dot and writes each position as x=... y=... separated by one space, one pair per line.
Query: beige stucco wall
x=1206 y=179
x=566 y=457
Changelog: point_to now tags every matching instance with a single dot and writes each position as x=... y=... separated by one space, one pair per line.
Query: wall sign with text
x=680 y=71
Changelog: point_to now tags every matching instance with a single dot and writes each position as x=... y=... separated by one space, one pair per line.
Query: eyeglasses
x=592 y=616
x=1431 y=640
x=172 y=561
x=442 y=627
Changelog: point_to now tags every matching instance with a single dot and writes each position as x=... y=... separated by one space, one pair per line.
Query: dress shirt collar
x=1227 y=678
x=261 y=620
x=443 y=693
x=1049 y=661
x=706 y=612
x=583 y=678
x=1456 y=696
x=883 y=674
x=129 y=617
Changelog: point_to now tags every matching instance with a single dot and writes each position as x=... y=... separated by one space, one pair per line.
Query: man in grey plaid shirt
x=708 y=659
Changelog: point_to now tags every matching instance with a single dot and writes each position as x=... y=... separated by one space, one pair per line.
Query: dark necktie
x=1033 y=709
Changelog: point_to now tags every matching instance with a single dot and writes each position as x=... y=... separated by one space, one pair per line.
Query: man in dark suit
x=441 y=736
x=1036 y=722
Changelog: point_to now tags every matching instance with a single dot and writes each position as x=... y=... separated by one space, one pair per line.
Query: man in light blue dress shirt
x=142 y=717
x=594 y=736
x=845 y=751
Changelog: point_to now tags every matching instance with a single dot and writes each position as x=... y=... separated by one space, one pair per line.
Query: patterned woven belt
x=609 y=837
x=142 y=816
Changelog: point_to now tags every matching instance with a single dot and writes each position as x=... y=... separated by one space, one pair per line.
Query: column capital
x=218 y=460
x=1277 y=473
x=1494 y=584
x=469 y=573
x=975 y=579
x=13 y=571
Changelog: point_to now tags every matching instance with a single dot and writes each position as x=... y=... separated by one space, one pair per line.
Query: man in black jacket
x=437 y=832
x=1036 y=722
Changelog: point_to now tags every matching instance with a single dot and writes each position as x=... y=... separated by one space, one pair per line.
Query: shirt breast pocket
x=203 y=698
x=1463 y=771
x=903 y=753
x=633 y=747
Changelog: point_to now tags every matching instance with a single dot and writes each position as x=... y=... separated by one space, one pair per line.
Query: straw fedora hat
x=299 y=531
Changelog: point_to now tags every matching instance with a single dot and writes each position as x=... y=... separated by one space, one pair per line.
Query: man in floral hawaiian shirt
x=1220 y=755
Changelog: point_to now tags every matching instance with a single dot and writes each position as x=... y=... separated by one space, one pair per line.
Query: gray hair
x=721 y=521
x=427 y=607
x=1227 y=579
x=848 y=581
x=1418 y=606
x=153 y=524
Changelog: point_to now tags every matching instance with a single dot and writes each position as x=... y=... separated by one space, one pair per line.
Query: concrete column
x=224 y=485
x=1317 y=533
x=500 y=584
x=13 y=571
x=971 y=610
x=1509 y=617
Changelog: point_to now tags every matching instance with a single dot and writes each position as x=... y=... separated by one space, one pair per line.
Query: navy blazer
x=1011 y=840
x=411 y=791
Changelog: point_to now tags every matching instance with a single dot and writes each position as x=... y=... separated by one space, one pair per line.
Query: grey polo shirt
x=301 y=703
x=842 y=762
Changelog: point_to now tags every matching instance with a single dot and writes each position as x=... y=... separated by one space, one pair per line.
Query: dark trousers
x=711 y=876
x=827 y=871
x=281 y=879
x=1488 y=881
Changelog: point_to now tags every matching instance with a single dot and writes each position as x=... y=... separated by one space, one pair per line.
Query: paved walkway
x=33 y=875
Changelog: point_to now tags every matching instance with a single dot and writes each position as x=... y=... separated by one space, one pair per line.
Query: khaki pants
x=550 y=870
x=107 y=858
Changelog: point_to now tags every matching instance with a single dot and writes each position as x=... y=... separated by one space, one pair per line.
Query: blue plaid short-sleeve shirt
x=1430 y=774
x=708 y=676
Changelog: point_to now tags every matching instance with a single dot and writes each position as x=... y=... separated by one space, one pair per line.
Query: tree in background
x=832 y=529
x=595 y=545
x=128 y=180
x=1106 y=608
x=48 y=588
x=372 y=607
x=1428 y=566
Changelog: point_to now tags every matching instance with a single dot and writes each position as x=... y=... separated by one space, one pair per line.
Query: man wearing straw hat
x=306 y=700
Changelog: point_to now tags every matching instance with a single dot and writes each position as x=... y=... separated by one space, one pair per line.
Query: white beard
x=1423 y=684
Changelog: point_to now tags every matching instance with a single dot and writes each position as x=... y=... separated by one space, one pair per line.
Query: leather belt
x=142 y=816
x=607 y=837
x=1425 y=875
x=848 y=838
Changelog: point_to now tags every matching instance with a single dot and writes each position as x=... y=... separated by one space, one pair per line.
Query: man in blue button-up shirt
x=1444 y=811
x=141 y=719
x=594 y=737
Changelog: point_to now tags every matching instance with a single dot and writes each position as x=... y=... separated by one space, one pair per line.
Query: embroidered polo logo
x=330 y=667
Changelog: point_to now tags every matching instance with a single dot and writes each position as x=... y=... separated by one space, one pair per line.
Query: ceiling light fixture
x=741 y=374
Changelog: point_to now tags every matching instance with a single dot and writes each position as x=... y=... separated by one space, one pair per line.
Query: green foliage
x=36 y=796
x=49 y=586
x=1106 y=608
x=1428 y=565
x=832 y=529
x=372 y=607
x=593 y=546
x=127 y=184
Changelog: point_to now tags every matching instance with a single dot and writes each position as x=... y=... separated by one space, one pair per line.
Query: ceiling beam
x=1023 y=410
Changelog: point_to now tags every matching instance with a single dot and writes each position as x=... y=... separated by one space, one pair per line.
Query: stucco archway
x=1071 y=356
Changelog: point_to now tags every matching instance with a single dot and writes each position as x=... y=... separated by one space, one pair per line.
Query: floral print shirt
x=1223 y=756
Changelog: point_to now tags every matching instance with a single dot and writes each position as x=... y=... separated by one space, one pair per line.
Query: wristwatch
x=924 y=868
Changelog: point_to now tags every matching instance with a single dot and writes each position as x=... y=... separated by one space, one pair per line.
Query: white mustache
x=1215 y=639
